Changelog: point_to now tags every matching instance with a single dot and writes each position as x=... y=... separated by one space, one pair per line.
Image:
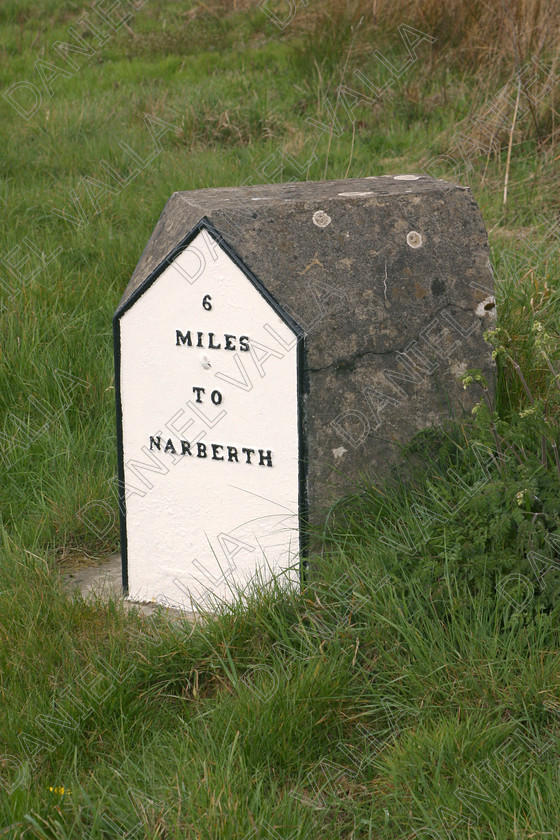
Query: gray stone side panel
x=358 y=414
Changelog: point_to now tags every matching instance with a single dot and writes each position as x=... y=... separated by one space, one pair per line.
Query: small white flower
x=528 y=411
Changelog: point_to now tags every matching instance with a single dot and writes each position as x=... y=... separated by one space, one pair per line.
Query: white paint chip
x=414 y=239
x=406 y=177
x=486 y=307
x=321 y=219
x=458 y=369
x=338 y=453
x=351 y=194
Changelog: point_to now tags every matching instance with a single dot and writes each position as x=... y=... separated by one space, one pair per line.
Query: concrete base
x=105 y=581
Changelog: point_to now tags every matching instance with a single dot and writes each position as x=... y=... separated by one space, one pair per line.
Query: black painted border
x=302 y=387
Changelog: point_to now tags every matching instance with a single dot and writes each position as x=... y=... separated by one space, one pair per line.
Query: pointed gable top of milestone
x=211 y=462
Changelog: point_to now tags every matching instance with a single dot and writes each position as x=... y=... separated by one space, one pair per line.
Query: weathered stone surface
x=391 y=281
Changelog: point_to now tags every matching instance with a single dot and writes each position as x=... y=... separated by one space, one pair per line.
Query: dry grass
x=484 y=32
x=512 y=47
x=477 y=33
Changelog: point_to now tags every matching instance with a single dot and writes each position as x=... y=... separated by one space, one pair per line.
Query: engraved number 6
x=206 y=302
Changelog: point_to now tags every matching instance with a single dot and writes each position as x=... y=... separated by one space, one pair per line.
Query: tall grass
x=350 y=710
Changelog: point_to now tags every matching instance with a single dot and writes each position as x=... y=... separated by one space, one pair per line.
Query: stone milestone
x=273 y=346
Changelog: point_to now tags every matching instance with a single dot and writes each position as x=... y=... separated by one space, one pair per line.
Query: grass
x=413 y=685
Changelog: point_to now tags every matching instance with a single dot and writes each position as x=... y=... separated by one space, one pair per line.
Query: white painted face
x=209 y=393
